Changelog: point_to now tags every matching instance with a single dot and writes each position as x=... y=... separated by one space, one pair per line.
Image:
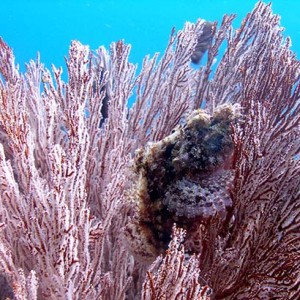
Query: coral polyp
x=185 y=178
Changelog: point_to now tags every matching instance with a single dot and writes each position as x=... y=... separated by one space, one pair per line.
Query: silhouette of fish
x=203 y=42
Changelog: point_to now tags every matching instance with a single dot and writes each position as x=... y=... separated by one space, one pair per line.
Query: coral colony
x=193 y=193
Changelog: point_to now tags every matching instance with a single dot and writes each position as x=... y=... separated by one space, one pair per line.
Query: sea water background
x=31 y=26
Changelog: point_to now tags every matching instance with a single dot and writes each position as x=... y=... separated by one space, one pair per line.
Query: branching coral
x=174 y=277
x=66 y=171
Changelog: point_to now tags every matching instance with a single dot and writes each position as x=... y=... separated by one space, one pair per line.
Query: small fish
x=203 y=42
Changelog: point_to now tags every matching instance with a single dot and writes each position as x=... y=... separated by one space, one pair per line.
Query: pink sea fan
x=68 y=227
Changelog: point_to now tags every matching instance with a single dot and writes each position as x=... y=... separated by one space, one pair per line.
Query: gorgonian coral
x=228 y=175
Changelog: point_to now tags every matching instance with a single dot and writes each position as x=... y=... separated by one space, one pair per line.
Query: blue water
x=49 y=26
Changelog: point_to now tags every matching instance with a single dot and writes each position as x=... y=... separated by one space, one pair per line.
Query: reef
x=185 y=179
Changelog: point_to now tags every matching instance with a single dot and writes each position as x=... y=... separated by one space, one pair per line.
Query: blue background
x=49 y=26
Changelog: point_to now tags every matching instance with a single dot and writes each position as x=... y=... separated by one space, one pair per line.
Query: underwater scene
x=149 y=150
x=49 y=26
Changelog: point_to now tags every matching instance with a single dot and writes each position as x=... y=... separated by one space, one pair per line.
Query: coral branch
x=212 y=148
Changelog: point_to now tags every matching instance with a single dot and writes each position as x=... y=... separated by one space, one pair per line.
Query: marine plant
x=192 y=193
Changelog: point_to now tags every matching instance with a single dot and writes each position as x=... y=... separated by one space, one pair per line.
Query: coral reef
x=187 y=283
x=228 y=175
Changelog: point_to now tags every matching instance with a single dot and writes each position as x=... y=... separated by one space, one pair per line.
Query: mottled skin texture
x=184 y=178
